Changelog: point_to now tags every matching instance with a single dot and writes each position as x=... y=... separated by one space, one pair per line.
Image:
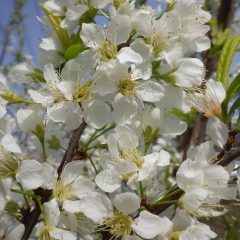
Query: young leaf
x=60 y=32
x=226 y=58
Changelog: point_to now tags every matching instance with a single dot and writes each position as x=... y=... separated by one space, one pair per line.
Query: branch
x=72 y=147
x=225 y=13
x=31 y=216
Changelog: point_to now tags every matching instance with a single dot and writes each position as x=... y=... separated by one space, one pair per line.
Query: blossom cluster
x=122 y=88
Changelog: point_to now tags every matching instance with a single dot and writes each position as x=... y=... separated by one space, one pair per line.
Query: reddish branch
x=31 y=216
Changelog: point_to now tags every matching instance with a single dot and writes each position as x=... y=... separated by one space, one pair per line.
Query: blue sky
x=33 y=29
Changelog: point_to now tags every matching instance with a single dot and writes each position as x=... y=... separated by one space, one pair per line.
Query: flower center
x=127 y=87
x=44 y=235
x=62 y=192
x=8 y=164
x=134 y=156
x=175 y=235
x=82 y=92
x=119 y=225
x=107 y=51
x=156 y=42
x=58 y=96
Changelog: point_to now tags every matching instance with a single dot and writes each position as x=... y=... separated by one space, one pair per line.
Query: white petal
x=92 y=35
x=216 y=177
x=173 y=126
x=150 y=91
x=188 y=175
x=164 y=158
x=200 y=44
x=61 y=234
x=52 y=212
x=30 y=174
x=67 y=87
x=108 y=180
x=15 y=232
x=149 y=167
x=218 y=131
x=10 y=143
x=104 y=85
x=124 y=108
x=95 y=206
x=42 y=97
x=28 y=119
x=19 y=73
x=193 y=199
x=126 y=137
x=98 y=114
x=82 y=187
x=58 y=112
x=215 y=91
x=75 y=12
x=120 y=28
x=5 y=186
x=127 y=55
x=50 y=176
x=125 y=167
x=198 y=232
x=148 y=225
x=50 y=75
x=127 y=202
x=190 y=72
x=3 y=110
x=71 y=172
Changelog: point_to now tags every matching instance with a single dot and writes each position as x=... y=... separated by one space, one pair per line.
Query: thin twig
x=31 y=216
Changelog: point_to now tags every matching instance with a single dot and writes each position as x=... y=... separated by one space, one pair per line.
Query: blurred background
x=20 y=30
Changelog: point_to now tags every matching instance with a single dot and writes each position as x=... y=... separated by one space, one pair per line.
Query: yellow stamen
x=82 y=92
x=127 y=87
x=119 y=225
x=107 y=51
x=8 y=164
x=44 y=235
x=156 y=42
x=62 y=192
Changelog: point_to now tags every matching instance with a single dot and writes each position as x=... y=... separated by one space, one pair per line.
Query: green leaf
x=73 y=51
x=235 y=106
x=39 y=132
x=233 y=88
x=60 y=32
x=188 y=118
x=37 y=76
x=226 y=58
x=54 y=143
x=12 y=98
x=89 y=16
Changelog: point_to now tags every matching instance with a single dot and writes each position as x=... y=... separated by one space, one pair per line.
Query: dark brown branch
x=72 y=147
x=225 y=13
x=31 y=216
